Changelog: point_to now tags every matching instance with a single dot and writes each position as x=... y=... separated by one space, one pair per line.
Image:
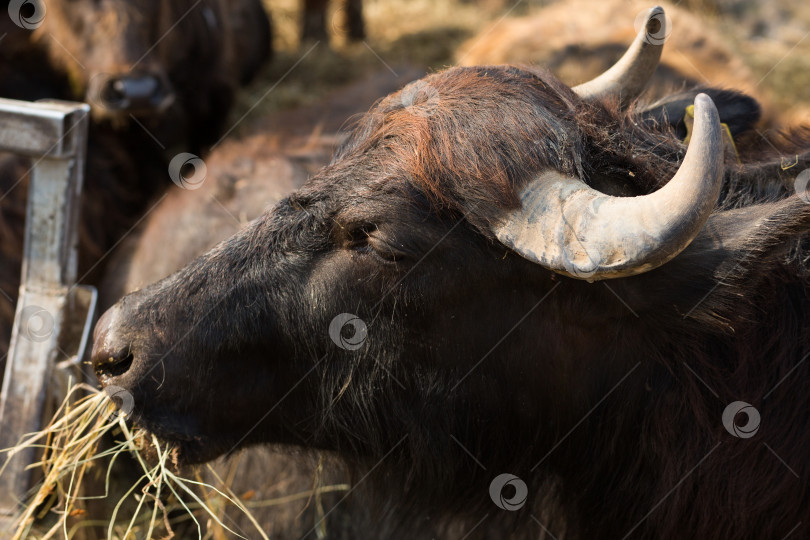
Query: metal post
x=54 y=135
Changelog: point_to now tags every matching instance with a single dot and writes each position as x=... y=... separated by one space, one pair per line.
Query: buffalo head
x=419 y=272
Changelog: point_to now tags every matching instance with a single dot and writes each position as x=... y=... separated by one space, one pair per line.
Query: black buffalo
x=499 y=274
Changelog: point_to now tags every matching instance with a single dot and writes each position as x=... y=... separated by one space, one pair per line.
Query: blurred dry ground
x=768 y=42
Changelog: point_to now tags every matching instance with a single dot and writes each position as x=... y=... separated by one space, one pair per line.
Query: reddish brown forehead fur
x=468 y=137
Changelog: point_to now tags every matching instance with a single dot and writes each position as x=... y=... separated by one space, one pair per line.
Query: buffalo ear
x=714 y=280
x=737 y=110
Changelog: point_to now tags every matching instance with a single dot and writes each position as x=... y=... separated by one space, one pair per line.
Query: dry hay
x=74 y=447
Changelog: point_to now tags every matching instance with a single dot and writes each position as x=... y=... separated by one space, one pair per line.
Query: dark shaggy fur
x=605 y=398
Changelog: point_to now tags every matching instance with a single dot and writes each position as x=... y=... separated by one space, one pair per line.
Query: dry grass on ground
x=773 y=39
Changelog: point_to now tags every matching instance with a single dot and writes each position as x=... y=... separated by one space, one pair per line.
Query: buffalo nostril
x=113 y=365
x=136 y=93
x=112 y=351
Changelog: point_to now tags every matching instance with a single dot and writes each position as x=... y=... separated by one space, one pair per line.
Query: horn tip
x=704 y=103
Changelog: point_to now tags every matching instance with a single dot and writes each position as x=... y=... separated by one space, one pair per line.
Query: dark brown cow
x=174 y=66
x=512 y=307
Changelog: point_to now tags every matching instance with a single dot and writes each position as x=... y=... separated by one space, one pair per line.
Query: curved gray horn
x=570 y=228
x=630 y=74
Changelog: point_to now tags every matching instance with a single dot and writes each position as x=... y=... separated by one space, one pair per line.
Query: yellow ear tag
x=689 y=121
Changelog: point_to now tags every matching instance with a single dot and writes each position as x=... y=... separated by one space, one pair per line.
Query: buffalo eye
x=366 y=238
